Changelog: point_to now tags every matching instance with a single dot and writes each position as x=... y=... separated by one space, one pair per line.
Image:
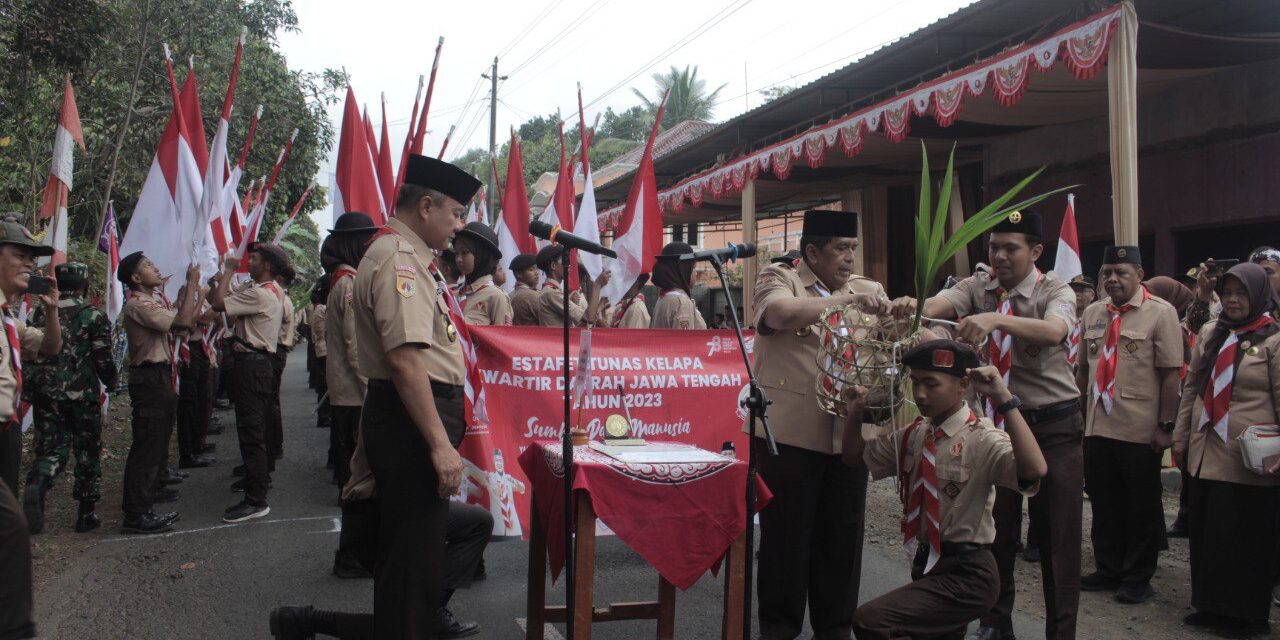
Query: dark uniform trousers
x=1057 y=511
x=342 y=436
x=10 y=455
x=412 y=517
x=195 y=400
x=275 y=425
x=251 y=393
x=1123 y=482
x=154 y=404
x=810 y=542
x=15 y=569
x=963 y=584
x=64 y=425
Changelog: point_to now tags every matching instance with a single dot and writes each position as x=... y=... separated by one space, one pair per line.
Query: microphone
x=727 y=254
x=540 y=229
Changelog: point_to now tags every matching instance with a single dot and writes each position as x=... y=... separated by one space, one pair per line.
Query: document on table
x=659 y=453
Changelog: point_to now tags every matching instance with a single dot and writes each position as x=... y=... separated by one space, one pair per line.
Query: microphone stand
x=756 y=405
x=566 y=444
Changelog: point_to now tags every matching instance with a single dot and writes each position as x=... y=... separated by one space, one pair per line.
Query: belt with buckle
x=1049 y=413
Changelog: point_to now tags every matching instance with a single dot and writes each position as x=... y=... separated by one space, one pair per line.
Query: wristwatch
x=1013 y=403
x=1167 y=426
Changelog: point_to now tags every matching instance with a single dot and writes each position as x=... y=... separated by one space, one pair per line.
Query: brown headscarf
x=1171 y=291
x=1258 y=285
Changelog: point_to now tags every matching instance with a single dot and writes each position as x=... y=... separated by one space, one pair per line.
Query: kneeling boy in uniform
x=949 y=463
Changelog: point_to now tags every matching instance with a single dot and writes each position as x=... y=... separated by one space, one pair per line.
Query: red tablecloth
x=681 y=518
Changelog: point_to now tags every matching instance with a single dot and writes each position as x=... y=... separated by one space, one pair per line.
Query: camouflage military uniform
x=64 y=393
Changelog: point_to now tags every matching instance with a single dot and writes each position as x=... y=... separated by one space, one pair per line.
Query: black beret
x=675 y=250
x=480 y=232
x=523 y=261
x=944 y=356
x=1122 y=254
x=547 y=255
x=441 y=176
x=128 y=265
x=353 y=222
x=1027 y=222
x=1082 y=281
x=831 y=224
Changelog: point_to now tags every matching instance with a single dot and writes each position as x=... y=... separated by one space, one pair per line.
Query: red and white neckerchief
x=15 y=360
x=1000 y=348
x=177 y=345
x=1105 y=381
x=920 y=503
x=473 y=387
x=473 y=288
x=1217 y=393
x=1073 y=344
x=622 y=309
x=550 y=284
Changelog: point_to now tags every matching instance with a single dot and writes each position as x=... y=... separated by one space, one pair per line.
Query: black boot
x=88 y=519
x=292 y=623
x=448 y=627
x=345 y=566
x=33 y=502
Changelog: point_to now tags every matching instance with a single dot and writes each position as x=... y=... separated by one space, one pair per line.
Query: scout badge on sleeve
x=406 y=280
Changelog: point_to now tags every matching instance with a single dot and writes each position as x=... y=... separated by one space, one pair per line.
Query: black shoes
x=1178 y=529
x=148 y=523
x=347 y=568
x=449 y=627
x=1031 y=554
x=292 y=623
x=1135 y=593
x=481 y=573
x=33 y=502
x=244 y=511
x=991 y=633
x=1098 y=582
x=164 y=495
x=87 y=519
x=198 y=461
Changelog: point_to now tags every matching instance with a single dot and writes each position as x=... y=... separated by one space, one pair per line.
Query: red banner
x=674 y=385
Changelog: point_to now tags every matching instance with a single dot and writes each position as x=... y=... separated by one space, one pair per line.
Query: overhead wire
x=519 y=37
x=554 y=40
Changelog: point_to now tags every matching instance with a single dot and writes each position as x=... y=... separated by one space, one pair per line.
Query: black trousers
x=1233 y=530
x=810 y=542
x=1056 y=521
x=412 y=517
x=346 y=423
x=251 y=393
x=275 y=425
x=10 y=455
x=15 y=569
x=195 y=401
x=154 y=405
x=938 y=605
x=1123 y=482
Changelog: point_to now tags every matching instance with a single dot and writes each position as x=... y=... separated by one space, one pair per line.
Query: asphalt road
x=207 y=579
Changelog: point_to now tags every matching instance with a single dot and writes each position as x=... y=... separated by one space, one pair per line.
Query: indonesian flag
x=590 y=229
x=420 y=132
x=167 y=216
x=638 y=236
x=357 y=178
x=386 y=174
x=108 y=243
x=408 y=141
x=284 y=228
x=56 y=189
x=447 y=138
x=235 y=210
x=559 y=211
x=513 y=223
x=254 y=224
x=203 y=249
x=213 y=204
x=1067 y=262
x=475 y=211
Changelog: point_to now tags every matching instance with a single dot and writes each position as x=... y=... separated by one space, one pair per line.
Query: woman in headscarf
x=477 y=257
x=1232 y=517
x=675 y=308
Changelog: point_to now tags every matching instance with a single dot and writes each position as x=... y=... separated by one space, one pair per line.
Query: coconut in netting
x=858 y=348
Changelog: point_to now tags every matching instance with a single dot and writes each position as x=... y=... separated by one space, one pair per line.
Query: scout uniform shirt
x=341 y=372
x=786 y=361
x=551 y=306
x=676 y=310
x=1040 y=376
x=1254 y=398
x=484 y=303
x=631 y=314
x=1150 y=338
x=524 y=306
x=316 y=321
x=259 y=313
x=397 y=302
x=30 y=339
x=147 y=321
x=287 y=325
x=972 y=458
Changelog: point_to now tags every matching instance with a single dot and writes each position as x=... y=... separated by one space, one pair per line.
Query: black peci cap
x=547 y=255
x=1122 y=254
x=128 y=265
x=832 y=224
x=1082 y=282
x=944 y=356
x=1027 y=222
x=523 y=261
x=441 y=176
x=480 y=232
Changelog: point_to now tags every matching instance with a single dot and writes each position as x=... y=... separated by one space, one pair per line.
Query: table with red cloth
x=681 y=518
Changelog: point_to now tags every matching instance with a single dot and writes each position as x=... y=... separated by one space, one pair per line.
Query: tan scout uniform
x=551 y=306
x=342 y=373
x=631 y=314
x=148 y=319
x=288 y=328
x=524 y=306
x=676 y=310
x=819 y=501
x=484 y=303
x=259 y=313
x=1122 y=472
x=972 y=458
x=397 y=303
x=11 y=447
x=1045 y=382
x=316 y=322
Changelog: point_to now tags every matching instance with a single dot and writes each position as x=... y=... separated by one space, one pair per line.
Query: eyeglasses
x=1262 y=254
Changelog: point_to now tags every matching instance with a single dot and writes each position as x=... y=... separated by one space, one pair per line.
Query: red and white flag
x=475 y=209
x=254 y=224
x=166 y=218
x=386 y=173
x=284 y=228
x=109 y=244
x=420 y=132
x=213 y=203
x=202 y=244
x=408 y=143
x=1067 y=262
x=638 y=235
x=58 y=186
x=513 y=223
x=237 y=210
x=559 y=210
x=590 y=227
x=357 y=177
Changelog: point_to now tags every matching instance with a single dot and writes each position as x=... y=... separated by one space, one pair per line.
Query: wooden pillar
x=750 y=267
x=955 y=218
x=1122 y=118
x=875 y=233
x=851 y=200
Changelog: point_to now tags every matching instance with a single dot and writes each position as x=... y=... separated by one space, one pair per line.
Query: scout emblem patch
x=1032 y=350
x=406 y=280
x=957 y=448
x=944 y=358
x=1131 y=347
x=1120 y=253
x=1015 y=217
x=951 y=490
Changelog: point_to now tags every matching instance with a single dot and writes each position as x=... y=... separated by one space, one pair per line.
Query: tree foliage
x=688 y=98
x=112 y=51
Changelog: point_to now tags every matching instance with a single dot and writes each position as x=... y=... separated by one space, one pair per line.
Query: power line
x=546 y=11
x=555 y=40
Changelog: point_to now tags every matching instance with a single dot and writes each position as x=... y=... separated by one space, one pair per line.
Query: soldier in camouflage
x=64 y=394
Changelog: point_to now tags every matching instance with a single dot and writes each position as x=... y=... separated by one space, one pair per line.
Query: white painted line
x=213 y=528
x=548 y=632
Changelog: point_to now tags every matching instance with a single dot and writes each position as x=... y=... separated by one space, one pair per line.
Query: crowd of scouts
x=1026 y=387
